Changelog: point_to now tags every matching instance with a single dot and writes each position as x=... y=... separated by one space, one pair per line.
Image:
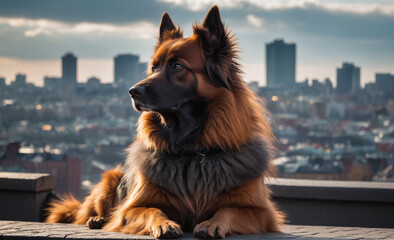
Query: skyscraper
x=69 y=69
x=385 y=82
x=126 y=69
x=280 y=63
x=348 y=78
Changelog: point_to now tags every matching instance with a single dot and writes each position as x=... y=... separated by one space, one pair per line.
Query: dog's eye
x=177 y=67
x=153 y=69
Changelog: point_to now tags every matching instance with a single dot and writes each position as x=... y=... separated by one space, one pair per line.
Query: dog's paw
x=209 y=230
x=96 y=222
x=166 y=230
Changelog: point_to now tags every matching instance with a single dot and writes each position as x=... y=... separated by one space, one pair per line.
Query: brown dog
x=202 y=151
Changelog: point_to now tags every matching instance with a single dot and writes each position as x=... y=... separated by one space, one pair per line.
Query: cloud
x=254 y=21
x=34 y=28
x=360 y=7
x=325 y=31
x=98 y=11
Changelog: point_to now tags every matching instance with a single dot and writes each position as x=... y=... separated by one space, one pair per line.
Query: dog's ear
x=213 y=22
x=217 y=47
x=166 y=24
x=168 y=29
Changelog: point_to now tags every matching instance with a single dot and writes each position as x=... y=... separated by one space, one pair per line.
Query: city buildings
x=280 y=64
x=323 y=133
x=348 y=78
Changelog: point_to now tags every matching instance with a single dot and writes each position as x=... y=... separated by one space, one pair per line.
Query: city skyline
x=141 y=71
x=327 y=33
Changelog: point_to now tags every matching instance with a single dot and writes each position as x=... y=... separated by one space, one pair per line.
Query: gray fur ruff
x=189 y=173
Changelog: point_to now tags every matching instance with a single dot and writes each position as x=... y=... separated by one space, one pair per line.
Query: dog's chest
x=204 y=175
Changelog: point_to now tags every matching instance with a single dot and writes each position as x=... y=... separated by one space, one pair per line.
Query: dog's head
x=185 y=70
x=194 y=94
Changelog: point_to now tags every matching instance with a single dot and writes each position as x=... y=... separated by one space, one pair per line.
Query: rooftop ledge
x=332 y=190
x=314 y=209
x=33 y=230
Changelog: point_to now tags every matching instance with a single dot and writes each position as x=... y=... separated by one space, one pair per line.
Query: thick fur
x=96 y=206
x=202 y=152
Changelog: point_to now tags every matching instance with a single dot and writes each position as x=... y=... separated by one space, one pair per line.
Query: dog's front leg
x=145 y=221
x=246 y=210
x=232 y=221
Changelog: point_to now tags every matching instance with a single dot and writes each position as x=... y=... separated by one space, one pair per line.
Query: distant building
x=254 y=86
x=385 y=82
x=20 y=80
x=348 y=78
x=126 y=69
x=317 y=110
x=69 y=69
x=317 y=86
x=335 y=110
x=67 y=170
x=280 y=64
x=2 y=82
x=93 y=83
x=390 y=108
x=328 y=84
x=53 y=83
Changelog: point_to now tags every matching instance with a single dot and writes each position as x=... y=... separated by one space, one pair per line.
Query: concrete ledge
x=33 y=182
x=332 y=190
x=335 y=203
x=23 y=195
x=32 y=230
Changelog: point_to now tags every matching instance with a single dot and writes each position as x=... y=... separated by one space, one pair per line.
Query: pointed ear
x=168 y=29
x=213 y=22
x=166 y=24
x=218 y=48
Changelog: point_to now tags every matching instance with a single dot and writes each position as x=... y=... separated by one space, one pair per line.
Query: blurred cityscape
x=75 y=130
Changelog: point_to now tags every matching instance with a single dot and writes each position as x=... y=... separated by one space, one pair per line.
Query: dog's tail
x=63 y=210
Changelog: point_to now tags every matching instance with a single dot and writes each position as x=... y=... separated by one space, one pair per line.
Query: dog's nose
x=136 y=91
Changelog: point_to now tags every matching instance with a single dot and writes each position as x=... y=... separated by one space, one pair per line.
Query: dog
x=202 y=152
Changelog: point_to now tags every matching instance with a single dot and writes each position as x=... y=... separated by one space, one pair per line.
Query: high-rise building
x=280 y=63
x=348 y=78
x=2 y=82
x=126 y=69
x=385 y=82
x=69 y=69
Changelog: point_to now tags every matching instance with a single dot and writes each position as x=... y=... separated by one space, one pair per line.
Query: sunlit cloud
x=33 y=28
x=202 y=4
x=255 y=21
x=384 y=7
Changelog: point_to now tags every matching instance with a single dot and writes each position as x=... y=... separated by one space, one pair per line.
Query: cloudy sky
x=35 y=34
